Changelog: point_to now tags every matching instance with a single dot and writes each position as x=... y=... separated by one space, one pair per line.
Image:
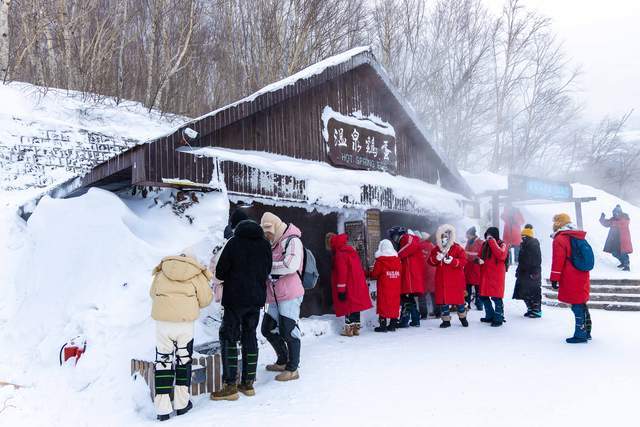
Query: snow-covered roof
x=355 y=57
x=326 y=185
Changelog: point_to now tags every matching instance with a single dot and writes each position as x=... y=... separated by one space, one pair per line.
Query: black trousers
x=239 y=324
x=352 y=318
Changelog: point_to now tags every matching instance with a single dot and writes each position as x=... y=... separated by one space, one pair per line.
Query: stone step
x=612 y=282
x=602 y=297
x=601 y=305
x=634 y=290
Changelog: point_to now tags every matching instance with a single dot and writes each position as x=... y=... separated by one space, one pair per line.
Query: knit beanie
x=560 y=220
x=527 y=231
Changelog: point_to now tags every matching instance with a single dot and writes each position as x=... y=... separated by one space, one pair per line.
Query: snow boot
x=535 y=314
x=445 y=324
x=576 y=340
x=164 y=417
x=276 y=367
x=356 y=329
x=288 y=376
x=246 y=388
x=496 y=323
x=228 y=392
x=382 y=327
x=486 y=320
x=464 y=322
x=347 y=331
x=415 y=323
x=393 y=325
x=185 y=409
x=626 y=268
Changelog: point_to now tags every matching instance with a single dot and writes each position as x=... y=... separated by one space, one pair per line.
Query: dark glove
x=554 y=284
x=342 y=296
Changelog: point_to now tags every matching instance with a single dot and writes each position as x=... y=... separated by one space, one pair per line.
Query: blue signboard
x=525 y=187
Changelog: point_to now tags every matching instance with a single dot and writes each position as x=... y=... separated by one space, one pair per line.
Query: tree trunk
x=4 y=39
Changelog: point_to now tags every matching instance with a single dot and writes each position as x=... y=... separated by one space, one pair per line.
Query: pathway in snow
x=521 y=374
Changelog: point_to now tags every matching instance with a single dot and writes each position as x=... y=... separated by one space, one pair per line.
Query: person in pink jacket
x=284 y=296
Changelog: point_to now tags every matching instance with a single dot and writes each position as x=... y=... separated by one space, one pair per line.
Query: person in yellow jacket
x=179 y=290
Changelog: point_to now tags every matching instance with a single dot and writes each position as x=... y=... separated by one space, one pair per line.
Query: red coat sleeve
x=459 y=258
x=559 y=259
x=500 y=252
x=432 y=257
x=341 y=273
x=377 y=270
x=412 y=246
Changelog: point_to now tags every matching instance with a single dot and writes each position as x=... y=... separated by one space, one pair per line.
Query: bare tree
x=4 y=38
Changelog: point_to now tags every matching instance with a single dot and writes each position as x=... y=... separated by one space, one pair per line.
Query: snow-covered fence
x=206 y=374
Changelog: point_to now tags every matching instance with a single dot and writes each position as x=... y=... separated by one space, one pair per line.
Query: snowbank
x=49 y=135
x=327 y=185
x=83 y=267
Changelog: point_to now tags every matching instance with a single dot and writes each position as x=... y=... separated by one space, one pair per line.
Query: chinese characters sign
x=360 y=147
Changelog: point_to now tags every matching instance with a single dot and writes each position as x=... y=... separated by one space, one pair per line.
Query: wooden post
x=495 y=210
x=579 y=223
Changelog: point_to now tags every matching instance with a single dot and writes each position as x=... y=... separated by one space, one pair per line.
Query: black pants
x=475 y=291
x=239 y=324
x=352 y=318
x=284 y=337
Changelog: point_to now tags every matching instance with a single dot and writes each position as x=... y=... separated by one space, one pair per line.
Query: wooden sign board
x=374 y=234
x=356 y=232
x=359 y=147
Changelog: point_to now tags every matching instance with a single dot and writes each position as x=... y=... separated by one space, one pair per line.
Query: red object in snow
x=73 y=350
x=386 y=271
x=347 y=276
x=574 y=284
x=413 y=264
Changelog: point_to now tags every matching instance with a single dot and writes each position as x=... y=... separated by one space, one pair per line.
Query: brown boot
x=247 y=389
x=347 y=331
x=288 y=376
x=228 y=392
x=274 y=367
x=356 y=329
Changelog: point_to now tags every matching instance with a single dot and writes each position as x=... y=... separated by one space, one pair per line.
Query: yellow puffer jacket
x=180 y=289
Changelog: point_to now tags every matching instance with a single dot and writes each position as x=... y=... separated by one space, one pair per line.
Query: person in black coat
x=529 y=273
x=244 y=267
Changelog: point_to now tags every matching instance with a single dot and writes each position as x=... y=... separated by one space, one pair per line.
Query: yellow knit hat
x=527 y=231
x=560 y=221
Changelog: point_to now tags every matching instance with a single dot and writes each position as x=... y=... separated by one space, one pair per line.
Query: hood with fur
x=446 y=228
x=385 y=248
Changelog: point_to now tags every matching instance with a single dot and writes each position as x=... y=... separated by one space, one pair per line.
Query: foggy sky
x=603 y=38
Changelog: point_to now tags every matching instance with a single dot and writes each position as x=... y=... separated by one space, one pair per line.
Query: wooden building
x=331 y=148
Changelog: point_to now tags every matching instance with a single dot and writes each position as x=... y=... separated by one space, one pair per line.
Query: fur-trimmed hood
x=452 y=237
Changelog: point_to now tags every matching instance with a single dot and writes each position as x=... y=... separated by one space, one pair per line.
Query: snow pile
x=540 y=216
x=327 y=185
x=82 y=266
x=49 y=135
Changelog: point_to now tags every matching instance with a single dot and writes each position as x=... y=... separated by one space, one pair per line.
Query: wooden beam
x=579 y=223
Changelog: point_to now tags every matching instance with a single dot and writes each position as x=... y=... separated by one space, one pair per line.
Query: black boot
x=445 y=324
x=382 y=327
x=185 y=409
x=393 y=325
x=464 y=322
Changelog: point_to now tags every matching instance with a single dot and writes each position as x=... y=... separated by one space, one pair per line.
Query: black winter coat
x=529 y=271
x=244 y=266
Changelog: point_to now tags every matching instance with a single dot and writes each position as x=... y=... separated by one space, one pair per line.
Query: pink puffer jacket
x=286 y=265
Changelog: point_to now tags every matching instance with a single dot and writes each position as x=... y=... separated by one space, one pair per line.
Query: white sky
x=603 y=38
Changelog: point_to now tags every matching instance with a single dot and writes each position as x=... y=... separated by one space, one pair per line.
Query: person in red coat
x=493 y=262
x=386 y=271
x=573 y=285
x=348 y=283
x=449 y=258
x=618 y=241
x=513 y=221
x=472 y=269
x=413 y=282
x=427 y=301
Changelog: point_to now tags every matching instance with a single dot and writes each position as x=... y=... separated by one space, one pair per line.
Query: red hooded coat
x=494 y=269
x=386 y=271
x=472 y=269
x=574 y=284
x=513 y=221
x=413 y=264
x=429 y=270
x=347 y=276
x=619 y=238
x=450 y=283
